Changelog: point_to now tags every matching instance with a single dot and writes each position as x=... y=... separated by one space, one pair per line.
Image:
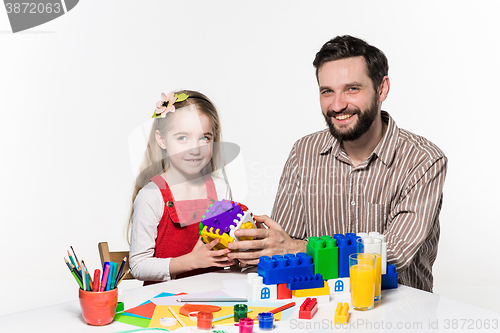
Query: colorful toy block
x=341 y=314
x=308 y=309
x=222 y=219
x=208 y=234
x=305 y=282
x=390 y=280
x=284 y=292
x=339 y=286
x=347 y=246
x=324 y=252
x=277 y=269
x=256 y=290
x=325 y=290
x=384 y=249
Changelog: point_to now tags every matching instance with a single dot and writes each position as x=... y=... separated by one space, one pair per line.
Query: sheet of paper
x=136 y=321
x=172 y=300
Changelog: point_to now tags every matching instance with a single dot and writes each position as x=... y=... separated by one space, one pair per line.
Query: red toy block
x=308 y=309
x=284 y=292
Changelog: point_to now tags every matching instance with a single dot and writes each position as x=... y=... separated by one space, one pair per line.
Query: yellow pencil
x=123 y=276
x=176 y=316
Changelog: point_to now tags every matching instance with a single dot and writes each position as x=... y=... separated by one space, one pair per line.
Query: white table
x=403 y=309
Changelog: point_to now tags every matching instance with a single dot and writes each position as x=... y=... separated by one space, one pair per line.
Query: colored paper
x=172 y=300
x=145 y=310
x=133 y=315
x=136 y=321
x=167 y=295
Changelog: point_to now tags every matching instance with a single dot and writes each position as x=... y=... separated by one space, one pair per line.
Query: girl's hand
x=201 y=256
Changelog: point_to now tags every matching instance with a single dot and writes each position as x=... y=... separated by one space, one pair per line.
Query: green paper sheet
x=136 y=321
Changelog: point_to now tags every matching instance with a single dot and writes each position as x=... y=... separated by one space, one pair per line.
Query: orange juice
x=362 y=286
x=378 y=278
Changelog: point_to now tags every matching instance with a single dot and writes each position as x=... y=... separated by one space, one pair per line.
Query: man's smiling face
x=348 y=99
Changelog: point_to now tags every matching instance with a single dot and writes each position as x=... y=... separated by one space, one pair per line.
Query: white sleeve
x=148 y=211
x=222 y=188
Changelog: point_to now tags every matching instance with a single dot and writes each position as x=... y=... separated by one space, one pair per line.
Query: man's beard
x=365 y=121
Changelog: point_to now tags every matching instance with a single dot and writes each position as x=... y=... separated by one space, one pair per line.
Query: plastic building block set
x=222 y=219
x=319 y=273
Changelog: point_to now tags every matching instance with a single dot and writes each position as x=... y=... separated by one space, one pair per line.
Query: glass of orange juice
x=373 y=245
x=362 y=270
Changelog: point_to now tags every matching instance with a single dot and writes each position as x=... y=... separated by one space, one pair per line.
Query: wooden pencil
x=176 y=316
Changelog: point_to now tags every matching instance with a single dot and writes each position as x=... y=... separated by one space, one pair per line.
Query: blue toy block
x=347 y=246
x=305 y=282
x=390 y=280
x=277 y=269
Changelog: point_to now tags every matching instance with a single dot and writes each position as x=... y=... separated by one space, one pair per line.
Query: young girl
x=174 y=190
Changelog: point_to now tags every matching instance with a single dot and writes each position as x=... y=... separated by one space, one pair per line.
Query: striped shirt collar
x=385 y=150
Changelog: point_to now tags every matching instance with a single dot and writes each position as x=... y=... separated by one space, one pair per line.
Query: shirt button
x=170 y=204
x=353 y=203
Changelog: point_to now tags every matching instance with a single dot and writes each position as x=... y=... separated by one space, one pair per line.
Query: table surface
x=403 y=309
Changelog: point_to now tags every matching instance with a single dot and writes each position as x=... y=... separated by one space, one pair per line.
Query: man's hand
x=267 y=242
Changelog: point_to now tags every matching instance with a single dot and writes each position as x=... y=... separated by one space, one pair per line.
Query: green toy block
x=325 y=254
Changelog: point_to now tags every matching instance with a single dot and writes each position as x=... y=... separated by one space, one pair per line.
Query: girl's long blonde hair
x=155 y=159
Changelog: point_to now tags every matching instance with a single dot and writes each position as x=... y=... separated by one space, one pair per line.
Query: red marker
x=105 y=276
x=97 y=274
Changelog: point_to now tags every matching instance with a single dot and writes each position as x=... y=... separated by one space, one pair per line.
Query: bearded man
x=361 y=174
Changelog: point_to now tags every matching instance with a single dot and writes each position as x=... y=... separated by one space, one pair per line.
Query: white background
x=72 y=92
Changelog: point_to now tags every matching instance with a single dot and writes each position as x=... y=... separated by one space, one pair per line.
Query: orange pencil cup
x=98 y=308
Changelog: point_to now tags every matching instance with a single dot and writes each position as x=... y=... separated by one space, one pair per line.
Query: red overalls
x=178 y=230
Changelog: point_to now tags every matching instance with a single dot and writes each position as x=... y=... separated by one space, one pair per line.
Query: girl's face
x=189 y=140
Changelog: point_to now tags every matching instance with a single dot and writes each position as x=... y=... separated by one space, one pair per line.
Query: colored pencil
x=90 y=277
x=77 y=278
x=214 y=299
x=105 y=276
x=87 y=279
x=176 y=316
x=123 y=276
x=71 y=258
x=73 y=272
x=67 y=263
x=118 y=276
x=76 y=271
x=76 y=258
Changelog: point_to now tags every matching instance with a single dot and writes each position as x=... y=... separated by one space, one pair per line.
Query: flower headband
x=166 y=104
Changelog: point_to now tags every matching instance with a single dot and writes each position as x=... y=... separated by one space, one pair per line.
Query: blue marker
x=110 y=276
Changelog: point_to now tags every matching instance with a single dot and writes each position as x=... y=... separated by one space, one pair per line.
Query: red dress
x=178 y=230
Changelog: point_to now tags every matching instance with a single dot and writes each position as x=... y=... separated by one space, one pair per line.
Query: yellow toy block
x=325 y=290
x=341 y=313
x=247 y=225
x=209 y=235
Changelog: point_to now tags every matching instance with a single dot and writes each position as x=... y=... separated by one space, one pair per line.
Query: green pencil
x=71 y=258
x=77 y=278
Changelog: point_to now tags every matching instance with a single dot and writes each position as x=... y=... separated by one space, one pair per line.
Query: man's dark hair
x=346 y=46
